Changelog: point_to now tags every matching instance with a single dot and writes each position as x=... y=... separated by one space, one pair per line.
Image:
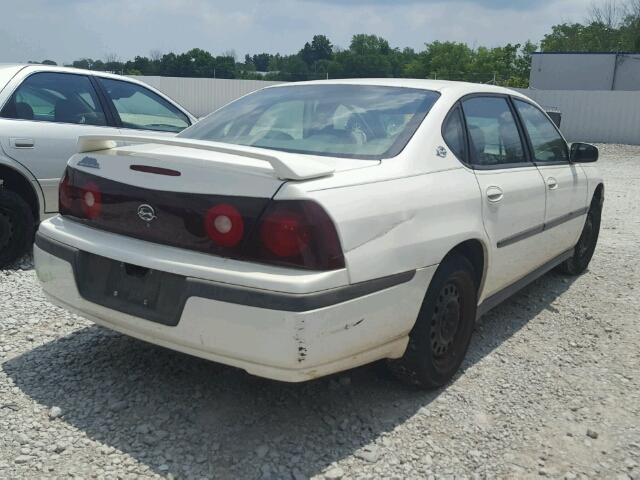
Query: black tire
x=583 y=251
x=17 y=227
x=440 y=338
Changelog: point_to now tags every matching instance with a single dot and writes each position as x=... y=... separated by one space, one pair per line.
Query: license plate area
x=142 y=292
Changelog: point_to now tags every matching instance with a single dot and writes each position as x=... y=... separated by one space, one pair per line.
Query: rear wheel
x=440 y=338
x=17 y=227
x=583 y=251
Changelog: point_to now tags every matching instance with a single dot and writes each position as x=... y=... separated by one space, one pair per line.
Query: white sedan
x=310 y=228
x=43 y=111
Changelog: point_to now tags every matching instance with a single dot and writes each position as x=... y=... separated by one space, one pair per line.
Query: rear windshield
x=351 y=121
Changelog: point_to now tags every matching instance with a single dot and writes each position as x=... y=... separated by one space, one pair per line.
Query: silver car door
x=41 y=122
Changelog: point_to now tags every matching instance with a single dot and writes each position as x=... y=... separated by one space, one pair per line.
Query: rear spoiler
x=287 y=167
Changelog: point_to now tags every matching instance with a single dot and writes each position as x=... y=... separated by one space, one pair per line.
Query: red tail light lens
x=298 y=233
x=64 y=194
x=82 y=201
x=285 y=233
x=224 y=225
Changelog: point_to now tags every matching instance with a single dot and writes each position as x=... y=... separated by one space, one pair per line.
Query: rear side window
x=493 y=134
x=140 y=108
x=548 y=145
x=453 y=134
x=56 y=97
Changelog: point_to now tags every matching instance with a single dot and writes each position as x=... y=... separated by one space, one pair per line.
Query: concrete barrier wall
x=594 y=116
x=202 y=96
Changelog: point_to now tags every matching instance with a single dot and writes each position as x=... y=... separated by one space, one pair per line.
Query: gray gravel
x=550 y=388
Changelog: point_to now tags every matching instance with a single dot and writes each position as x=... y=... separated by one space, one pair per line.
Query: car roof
x=54 y=68
x=442 y=86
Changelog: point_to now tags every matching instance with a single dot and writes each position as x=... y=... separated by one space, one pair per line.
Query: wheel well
x=473 y=250
x=15 y=181
x=598 y=194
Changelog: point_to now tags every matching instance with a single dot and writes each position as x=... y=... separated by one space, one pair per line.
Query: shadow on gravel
x=194 y=418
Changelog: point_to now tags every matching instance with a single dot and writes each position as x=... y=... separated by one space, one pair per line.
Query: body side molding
x=541 y=228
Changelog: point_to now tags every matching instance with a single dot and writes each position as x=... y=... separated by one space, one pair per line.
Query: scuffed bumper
x=292 y=344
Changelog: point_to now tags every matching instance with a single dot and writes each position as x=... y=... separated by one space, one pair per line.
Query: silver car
x=43 y=110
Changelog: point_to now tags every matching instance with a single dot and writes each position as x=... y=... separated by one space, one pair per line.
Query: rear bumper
x=279 y=335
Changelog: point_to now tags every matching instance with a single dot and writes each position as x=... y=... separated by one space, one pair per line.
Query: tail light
x=64 y=193
x=224 y=225
x=298 y=233
x=294 y=233
x=82 y=200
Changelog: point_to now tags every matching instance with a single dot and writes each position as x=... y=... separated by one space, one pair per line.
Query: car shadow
x=23 y=263
x=193 y=418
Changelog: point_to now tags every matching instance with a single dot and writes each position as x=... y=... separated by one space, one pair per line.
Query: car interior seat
x=24 y=111
x=18 y=110
x=67 y=111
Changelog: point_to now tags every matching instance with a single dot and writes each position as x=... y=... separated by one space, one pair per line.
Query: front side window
x=351 y=121
x=140 y=108
x=548 y=145
x=56 y=97
x=493 y=133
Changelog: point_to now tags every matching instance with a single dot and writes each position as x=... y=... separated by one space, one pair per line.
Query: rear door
x=512 y=189
x=566 y=183
x=41 y=122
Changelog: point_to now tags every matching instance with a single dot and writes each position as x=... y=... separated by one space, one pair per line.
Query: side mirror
x=583 y=152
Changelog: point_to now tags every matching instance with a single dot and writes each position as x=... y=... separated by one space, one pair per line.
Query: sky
x=65 y=30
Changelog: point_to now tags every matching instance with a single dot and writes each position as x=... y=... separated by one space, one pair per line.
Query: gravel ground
x=550 y=388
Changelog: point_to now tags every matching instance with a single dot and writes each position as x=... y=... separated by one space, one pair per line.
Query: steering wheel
x=359 y=129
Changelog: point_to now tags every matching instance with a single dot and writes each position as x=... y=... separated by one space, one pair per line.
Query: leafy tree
x=320 y=48
x=363 y=44
x=225 y=66
x=576 y=37
x=611 y=26
x=85 y=63
x=261 y=61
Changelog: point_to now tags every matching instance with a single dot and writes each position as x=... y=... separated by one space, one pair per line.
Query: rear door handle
x=494 y=194
x=552 y=183
x=22 y=142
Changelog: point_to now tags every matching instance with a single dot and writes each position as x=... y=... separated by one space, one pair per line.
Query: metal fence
x=594 y=116
x=202 y=96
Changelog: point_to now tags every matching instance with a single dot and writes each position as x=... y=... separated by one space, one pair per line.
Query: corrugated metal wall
x=591 y=116
x=594 y=116
x=585 y=71
x=202 y=96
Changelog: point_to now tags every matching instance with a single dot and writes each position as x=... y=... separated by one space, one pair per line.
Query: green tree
x=85 y=63
x=320 y=48
x=261 y=61
x=363 y=44
x=576 y=37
